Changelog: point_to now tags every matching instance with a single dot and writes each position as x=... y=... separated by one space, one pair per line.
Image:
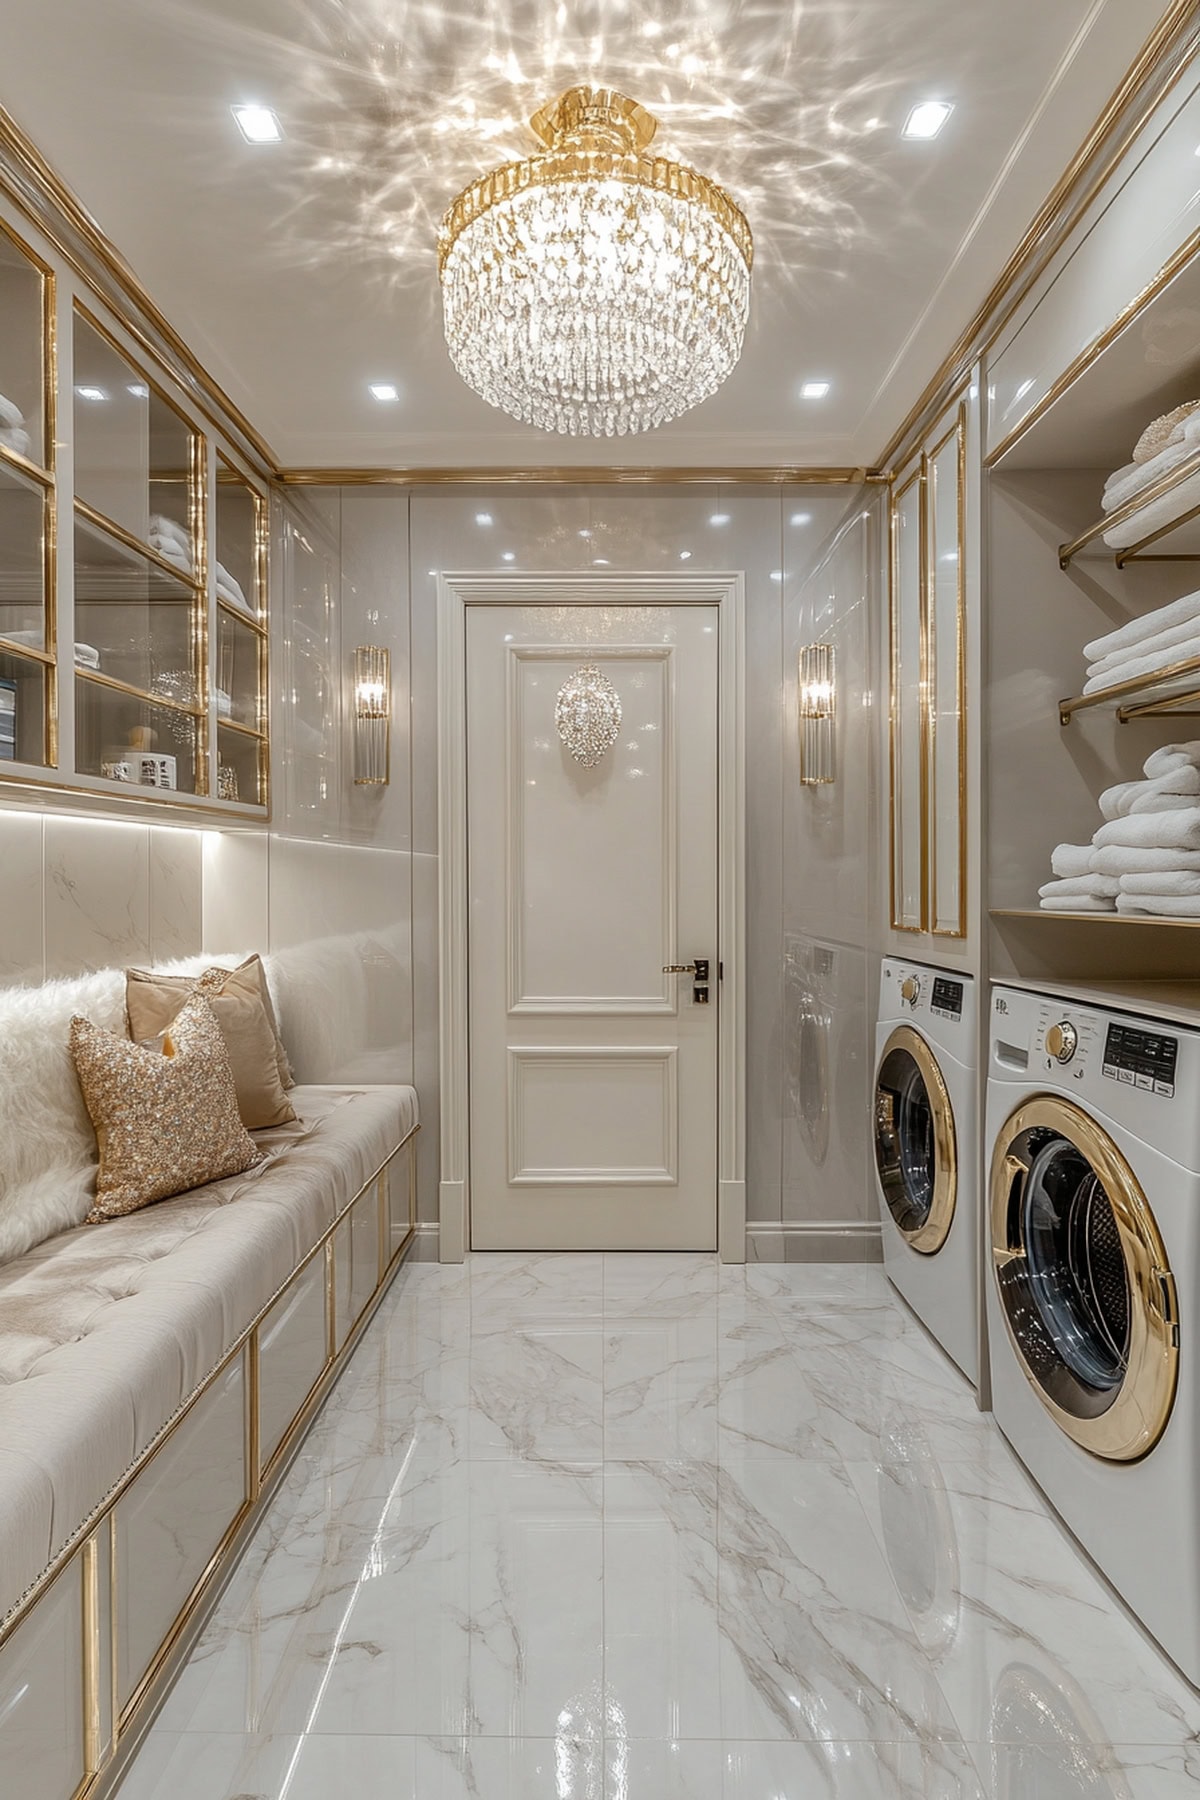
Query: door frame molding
x=456 y=592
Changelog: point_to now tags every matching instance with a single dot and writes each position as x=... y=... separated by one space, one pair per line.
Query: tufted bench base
x=155 y=1374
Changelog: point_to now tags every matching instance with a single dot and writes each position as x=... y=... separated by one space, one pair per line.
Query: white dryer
x=925 y=1149
x=1094 y=1244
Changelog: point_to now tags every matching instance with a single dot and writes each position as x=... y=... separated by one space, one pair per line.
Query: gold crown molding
x=779 y=475
x=1153 y=72
x=41 y=182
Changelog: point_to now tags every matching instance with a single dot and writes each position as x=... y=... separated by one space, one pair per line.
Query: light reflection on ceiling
x=305 y=270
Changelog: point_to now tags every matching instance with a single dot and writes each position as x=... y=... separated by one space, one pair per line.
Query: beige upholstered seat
x=106 y=1329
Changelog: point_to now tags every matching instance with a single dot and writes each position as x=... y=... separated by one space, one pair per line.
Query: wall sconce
x=372 y=716
x=817 y=696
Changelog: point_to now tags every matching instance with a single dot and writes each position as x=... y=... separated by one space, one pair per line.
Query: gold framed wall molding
x=913 y=481
x=567 y=476
x=956 y=435
x=111 y=1733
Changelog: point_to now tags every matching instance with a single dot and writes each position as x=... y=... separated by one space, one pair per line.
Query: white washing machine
x=1093 y=1238
x=925 y=1149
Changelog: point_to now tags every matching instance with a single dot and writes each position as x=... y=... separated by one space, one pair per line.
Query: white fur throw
x=47 y=1145
x=48 y=1155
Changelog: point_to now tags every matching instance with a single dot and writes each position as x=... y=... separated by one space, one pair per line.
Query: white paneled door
x=593 y=1070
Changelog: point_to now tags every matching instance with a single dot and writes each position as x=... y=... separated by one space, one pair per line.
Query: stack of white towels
x=173 y=544
x=13 y=434
x=1145 y=858
x=1163 y=445
x=1169 y=635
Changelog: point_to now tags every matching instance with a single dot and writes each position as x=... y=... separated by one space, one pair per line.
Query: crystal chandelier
x=592 y=288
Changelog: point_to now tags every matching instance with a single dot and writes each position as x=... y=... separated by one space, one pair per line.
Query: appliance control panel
x=1064 y=1042
x=946 y=1000
x=1142 y=1059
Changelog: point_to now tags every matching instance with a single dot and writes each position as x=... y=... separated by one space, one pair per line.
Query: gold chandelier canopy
x=593 y=288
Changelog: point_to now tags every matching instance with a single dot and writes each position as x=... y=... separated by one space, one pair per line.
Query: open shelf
x=1174 y=539
x=1157 y=695
x=1093 y=918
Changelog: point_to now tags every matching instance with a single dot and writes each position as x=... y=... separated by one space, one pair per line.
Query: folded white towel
x=1132 y=477
x=86 y=655
x=1104 y=887
x=1077 y=903
x=1165 y=906
x=1157 y=515
x=1172 y=756
x=10 y=413
x=1163 y=882
x=1133 y=667
x=1072 y=859
x=14 y=438
x=1163 y=643
x=1116 y=801
x=1126 y=859
x=170 y=552
x=1155 y=831
x=161 y=526
x=1160 y=803
x=1164 y=618
x=230 y=589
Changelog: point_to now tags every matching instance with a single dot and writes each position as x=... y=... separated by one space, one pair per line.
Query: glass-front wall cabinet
x=133 y=609
x=28 y=677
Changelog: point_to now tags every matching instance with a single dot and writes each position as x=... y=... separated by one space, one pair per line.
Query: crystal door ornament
x=588 y=715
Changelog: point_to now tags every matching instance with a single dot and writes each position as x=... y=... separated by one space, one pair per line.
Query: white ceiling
x=300 y=272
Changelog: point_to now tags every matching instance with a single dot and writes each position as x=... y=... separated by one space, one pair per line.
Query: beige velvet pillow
x=235 y=995
x=166 y=1119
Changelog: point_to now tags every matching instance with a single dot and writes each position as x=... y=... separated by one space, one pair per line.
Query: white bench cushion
x=106 y=1329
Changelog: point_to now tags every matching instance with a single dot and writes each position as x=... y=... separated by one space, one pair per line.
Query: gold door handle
x=679 y=968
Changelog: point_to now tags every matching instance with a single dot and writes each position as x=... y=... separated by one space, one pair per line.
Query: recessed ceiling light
x=508 y=556
x=384 y=390
x=927 y=119
x=719 y=519
x=86 y=392
x=600 y=562
x=483 y=518
x=257 y=124
x=801 y=518
x=684 y=555
x=814 y=390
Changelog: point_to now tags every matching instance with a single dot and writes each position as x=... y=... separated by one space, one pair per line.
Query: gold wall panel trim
x=115 y=797
x=1152 y=74
x=899 y=490
x=959 y=930
x=608 y=476
x=17 y=147
x=54 y=1569
x=90 y=1586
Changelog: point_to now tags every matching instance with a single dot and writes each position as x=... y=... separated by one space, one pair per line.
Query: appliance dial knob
x=1062 y=1041
x=910 y=989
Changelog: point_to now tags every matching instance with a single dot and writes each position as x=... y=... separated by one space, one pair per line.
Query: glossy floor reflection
x=644 y=1528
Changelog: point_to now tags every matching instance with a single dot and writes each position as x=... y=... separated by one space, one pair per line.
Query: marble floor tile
x=815 y=1642
x=1028 y=1643
x=195 y=1766
x=662 y=1642
x=661 y=1381
x=713 y=1770
x=537 y=1389
x=1097 y=1771
x=645 y=1528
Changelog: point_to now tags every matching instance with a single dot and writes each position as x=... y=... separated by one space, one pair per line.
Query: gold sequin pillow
x=166 y=1119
